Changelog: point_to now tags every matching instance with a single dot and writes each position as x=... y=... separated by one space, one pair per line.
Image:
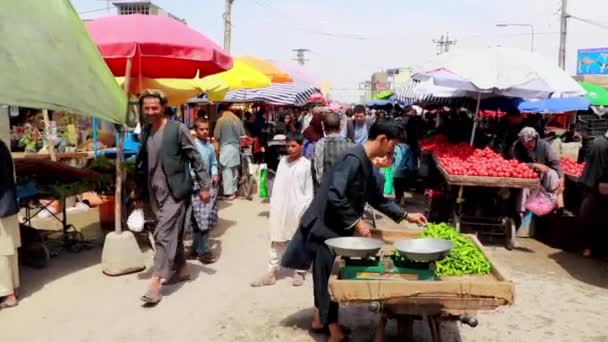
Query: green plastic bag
x=263 y=186
x=388 y=181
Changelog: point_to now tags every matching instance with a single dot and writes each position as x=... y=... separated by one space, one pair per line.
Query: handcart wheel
x=509 y=229
x=36 y=255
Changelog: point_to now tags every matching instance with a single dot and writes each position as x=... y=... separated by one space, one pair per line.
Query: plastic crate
x=592 y=125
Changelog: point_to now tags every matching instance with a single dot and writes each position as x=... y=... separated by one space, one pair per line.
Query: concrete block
x=121 y=254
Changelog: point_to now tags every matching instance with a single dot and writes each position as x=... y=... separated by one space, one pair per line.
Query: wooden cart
x=506 y=224
x=452 y=298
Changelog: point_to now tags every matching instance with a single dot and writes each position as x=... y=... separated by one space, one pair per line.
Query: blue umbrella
x=555 y=105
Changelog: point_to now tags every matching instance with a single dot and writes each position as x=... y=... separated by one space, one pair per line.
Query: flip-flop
x=151 y=298
x=5 y=305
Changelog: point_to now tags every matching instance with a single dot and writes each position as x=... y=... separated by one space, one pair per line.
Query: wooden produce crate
x=491 y=182
x=450 y=295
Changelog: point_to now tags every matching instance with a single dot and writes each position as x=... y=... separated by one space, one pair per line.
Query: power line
x=105 y=9
x=590 y=22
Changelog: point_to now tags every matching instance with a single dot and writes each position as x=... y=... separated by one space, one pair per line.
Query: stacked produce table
x=451 y=297
x=464 y=166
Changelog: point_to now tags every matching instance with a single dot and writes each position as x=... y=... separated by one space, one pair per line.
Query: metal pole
x=563 y=33
x=228 y=25
x=476 y=122
x=119 y=157
x=532 y=43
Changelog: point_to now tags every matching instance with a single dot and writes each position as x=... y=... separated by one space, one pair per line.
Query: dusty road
x=559 y=297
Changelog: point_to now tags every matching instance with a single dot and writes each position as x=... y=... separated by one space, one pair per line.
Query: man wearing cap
x=543 y=159
x=163 y=179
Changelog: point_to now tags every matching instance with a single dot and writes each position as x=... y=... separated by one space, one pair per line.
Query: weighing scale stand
x=405 y=320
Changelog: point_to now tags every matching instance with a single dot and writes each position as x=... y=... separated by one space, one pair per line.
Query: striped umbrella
x=296 y=93
x=428 y=94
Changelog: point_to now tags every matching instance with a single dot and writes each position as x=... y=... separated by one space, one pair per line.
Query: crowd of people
x=321 y=188
x=330 y=172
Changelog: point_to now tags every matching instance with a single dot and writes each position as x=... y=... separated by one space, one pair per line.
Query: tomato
x=463 y=159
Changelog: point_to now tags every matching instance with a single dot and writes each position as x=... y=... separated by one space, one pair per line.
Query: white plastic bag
x=136 y=221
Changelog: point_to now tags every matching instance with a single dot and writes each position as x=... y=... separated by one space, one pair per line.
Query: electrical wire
x=93 y=11
x=590 y=22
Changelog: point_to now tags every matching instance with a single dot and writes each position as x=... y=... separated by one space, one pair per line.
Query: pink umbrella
x=160 y=47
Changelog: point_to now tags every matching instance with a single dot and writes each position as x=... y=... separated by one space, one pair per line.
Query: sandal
x=5 y=305
x=151 y=297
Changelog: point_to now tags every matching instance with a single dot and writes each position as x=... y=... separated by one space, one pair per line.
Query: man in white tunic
x=292 y=193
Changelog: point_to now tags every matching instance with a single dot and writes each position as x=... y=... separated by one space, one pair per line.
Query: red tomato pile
x=572 y=168
x=432 y=143
x=464 y=160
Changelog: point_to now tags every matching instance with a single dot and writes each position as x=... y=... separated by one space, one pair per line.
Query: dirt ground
x=559 y=297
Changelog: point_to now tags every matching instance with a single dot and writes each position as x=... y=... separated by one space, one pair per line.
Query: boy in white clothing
x=291 y=194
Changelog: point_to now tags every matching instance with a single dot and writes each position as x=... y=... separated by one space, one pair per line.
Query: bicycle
x=246 y=184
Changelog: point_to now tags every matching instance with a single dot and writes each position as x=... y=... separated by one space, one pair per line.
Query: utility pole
x=563 y=34
x=443 y=44
x=300 y=57
x=228 y=25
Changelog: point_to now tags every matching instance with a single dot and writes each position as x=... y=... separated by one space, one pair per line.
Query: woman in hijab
x=312 y=134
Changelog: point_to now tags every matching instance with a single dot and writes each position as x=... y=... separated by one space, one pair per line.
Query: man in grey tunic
x=228 y=132
x=163 y=178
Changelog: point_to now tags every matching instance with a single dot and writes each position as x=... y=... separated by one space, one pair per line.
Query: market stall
x=398 y=287
x=482 y=186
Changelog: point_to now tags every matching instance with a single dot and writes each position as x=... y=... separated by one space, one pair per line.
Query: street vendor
x=164 y=181
x=10 y=239
x=542 y=158
x=337 y=210
x=595 y=179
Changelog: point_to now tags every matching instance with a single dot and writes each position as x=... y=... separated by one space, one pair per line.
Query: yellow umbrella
x=178 y=91
x=275 y=74
x=243 y=76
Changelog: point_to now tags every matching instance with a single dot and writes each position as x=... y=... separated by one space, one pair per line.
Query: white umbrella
x=500 y=72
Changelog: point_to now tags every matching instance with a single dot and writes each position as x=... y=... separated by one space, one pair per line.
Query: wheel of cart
x=35 y=254
x=406 y=315
x=246 y=184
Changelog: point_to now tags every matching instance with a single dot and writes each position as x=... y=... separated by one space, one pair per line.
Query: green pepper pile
x=465 y=257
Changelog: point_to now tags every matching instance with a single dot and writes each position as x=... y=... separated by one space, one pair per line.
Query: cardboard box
x=454 y=295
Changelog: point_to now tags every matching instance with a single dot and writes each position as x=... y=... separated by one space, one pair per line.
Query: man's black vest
x=174 y=162
x=8 y=191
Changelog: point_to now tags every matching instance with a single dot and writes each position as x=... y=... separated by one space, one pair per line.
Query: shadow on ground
x=222 y=226
x=590 y=271
x=33 y=280
x=363 y=324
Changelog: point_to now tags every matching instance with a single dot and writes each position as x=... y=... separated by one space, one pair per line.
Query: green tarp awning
x=597 y=95
x=383 y=95
x=48 y=61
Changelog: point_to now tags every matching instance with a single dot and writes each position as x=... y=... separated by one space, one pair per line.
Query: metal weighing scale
x=386 y=268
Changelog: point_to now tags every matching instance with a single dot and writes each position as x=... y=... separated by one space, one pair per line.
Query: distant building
x=379 y=82
x=142 y=7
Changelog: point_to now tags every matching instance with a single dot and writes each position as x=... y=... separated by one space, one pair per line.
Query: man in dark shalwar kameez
x=595 y=178
x=164 y=180
x=337 y=210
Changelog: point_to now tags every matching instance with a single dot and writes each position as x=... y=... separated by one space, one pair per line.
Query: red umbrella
x=160 y=47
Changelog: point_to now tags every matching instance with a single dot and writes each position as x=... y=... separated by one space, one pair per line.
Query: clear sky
x=350 y=39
